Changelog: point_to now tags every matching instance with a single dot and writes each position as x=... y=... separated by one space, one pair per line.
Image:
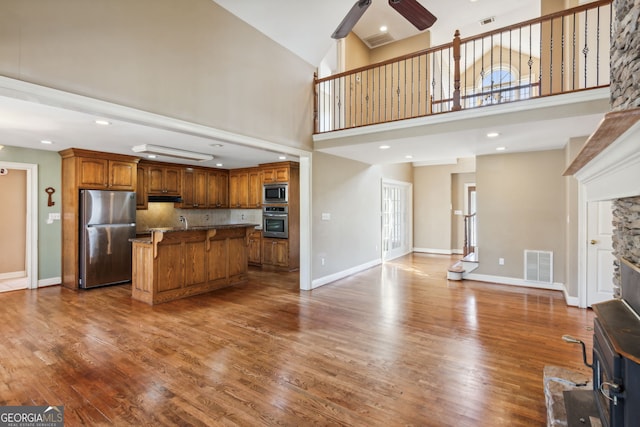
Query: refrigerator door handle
x=131 y=224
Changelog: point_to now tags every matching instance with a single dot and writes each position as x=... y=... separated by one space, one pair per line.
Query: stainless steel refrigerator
x=107 y=222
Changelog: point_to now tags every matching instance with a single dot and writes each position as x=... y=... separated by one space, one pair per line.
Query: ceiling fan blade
x=351 y=19
x=414 y=12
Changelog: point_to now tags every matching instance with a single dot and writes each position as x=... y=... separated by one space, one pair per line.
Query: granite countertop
x=145 y=237
x=201 y=227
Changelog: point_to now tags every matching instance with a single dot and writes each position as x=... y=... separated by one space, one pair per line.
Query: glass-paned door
x=396 y=220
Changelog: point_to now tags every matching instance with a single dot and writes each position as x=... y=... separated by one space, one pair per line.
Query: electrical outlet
x=322 y=261
x=501 y=261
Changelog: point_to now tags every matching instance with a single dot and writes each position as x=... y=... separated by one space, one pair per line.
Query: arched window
x=498 y=85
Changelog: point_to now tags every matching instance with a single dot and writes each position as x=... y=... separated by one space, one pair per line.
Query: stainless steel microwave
x=275 y=193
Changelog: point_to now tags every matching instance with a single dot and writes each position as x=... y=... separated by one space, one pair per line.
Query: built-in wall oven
x=275 y=221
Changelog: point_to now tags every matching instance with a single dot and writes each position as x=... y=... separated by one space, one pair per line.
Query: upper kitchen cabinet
x=164 y=180
x=245 y=188
x=141 y=188
x=238 y=188
x=276 y=172
x=95 y=170
x=255 y=188
x=217 y=188
x=194 y=188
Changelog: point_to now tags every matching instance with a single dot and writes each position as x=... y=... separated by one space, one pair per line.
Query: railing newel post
x=456 y=72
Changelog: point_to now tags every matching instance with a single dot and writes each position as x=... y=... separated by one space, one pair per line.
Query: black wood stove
x=615 y=398
x=616 y=353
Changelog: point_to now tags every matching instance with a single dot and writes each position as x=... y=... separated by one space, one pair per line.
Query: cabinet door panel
x=237 y=256
x=217 y=260
x=170 y=272
x=172 y=181
x=155 y=176
x=92 y=173
x=122 y=175
x=196 y=258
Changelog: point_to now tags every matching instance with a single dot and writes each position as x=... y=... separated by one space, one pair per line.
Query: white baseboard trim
x=49 y=282
x=13 y=275
x=342 y=274
x=434 y=251
x=457 y=251
x=572 y=301
x=515 y=282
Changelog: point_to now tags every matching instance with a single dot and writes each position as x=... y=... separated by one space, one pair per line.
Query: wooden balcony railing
x=559 y=53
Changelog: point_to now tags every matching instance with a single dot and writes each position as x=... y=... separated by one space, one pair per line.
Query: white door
x=599 y=252
x=396 y=219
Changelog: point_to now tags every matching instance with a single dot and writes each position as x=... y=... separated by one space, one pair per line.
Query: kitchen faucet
x=183 y=220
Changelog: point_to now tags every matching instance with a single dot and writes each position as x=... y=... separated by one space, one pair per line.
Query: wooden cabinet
x=254 y=199
x=164 y=180
x=91 y=170
x=238 y=188
x=105 y=174
x=275 y=252
x=255 y=247
x=194 y=188
x=141 y=188
x=245 y=188
x=178 y=264
x=218 y=189
x=284 y=253
x=275 y=173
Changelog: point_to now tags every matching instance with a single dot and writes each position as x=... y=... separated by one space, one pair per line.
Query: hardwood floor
x=394 y=345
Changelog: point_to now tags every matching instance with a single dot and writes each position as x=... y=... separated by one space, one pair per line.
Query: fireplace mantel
x=608 y=165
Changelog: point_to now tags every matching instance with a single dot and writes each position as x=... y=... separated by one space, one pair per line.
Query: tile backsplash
x=165 y=215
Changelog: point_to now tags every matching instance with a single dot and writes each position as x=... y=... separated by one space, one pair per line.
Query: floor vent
x=538 y=266
x=378 y=40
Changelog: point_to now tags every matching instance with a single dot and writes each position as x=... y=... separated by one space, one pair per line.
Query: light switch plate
x=326 y=216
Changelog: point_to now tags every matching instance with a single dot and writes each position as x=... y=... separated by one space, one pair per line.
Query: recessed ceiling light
x=501 y=148
x=219 y=165
x=283 y=157
x=103 y=122
x=408 y=156
x=384 y=147
x=383 y=29
x=493 y=134
x=46 y=141
x=152 y=156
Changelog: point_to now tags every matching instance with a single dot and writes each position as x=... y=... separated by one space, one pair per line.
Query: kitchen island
x=175 y=263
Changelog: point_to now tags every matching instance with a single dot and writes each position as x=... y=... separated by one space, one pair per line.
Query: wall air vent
x=488 y=20
x=538 y=266
x=378 y=39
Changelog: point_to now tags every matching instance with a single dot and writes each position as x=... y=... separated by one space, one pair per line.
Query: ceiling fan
x=413 y=12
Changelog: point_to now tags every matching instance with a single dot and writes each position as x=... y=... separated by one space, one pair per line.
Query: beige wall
x=403 y=47
x=350 y=192
x=398 y=172
x=357 y=54
x=13 y=221
x=197 y=63
x=521 y=205
x=571 y=209
x=432 y=204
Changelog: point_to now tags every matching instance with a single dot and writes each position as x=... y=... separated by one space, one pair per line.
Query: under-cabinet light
x=171 y=152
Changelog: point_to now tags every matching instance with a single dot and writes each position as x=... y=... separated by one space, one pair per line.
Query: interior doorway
x=18 y=188
x=397 y=230
x=470 y=229
x=599 y=252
